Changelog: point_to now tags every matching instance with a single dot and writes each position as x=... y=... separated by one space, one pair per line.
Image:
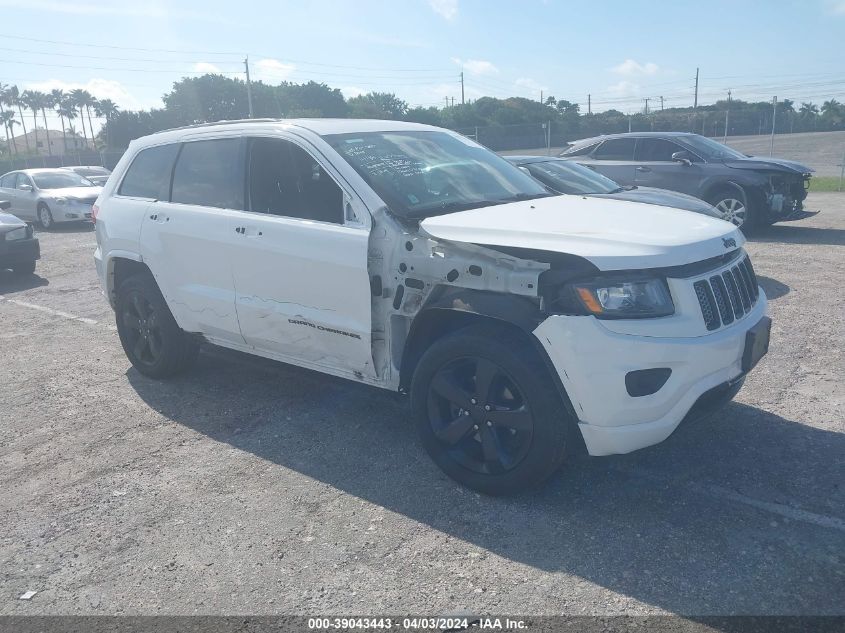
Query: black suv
x=746 y=190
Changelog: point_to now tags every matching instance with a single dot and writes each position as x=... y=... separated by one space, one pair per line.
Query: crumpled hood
x=77 y=193
x=9 y=221
x=663 y=197
x=612 y=234
x=774 y=164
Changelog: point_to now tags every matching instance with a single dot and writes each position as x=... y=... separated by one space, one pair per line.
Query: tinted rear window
x=149 y=174
x=616 y=149
x=210 y=174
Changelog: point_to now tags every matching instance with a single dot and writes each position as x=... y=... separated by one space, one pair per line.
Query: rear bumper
x=19 y=252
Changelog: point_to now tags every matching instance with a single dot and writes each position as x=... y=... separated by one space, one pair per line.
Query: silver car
x=96 y=174
x=49 y=196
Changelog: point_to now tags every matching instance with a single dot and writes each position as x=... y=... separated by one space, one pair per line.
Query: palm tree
x=32 y=100
x=108 y=109
x=15 y=96
x=90 y=101
x=44 y=101
x=8 y=119
x=78 y=97
x=68 y=111
x=57 y=97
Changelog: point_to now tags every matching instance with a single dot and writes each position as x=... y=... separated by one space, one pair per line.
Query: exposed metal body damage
x=412 y=272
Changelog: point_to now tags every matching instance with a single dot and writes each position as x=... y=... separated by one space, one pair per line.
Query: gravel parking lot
x=252 y=487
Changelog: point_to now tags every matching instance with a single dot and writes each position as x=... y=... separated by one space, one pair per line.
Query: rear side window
x=210 y=174
x=8 y=181
x=656 y=149
x=149 y=174
x=581 y=151
x=616 y=149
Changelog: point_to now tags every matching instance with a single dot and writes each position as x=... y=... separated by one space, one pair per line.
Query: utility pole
x=447 y=102
x=462 y=88
x=727 y=114
x=248 y=86
x=589 y=105
x=647 y=99
x=774 y=114
x=453 y=102
x=541 y=96
x=661 y=104
x=695 y=101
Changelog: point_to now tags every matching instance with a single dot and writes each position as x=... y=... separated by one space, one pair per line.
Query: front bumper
x=71 y=212
x=16 y=252
x=592 y=362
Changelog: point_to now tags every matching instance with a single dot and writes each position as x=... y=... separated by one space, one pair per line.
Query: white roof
x=316 y=126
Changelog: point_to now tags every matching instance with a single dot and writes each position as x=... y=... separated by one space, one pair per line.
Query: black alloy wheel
x=479 y=414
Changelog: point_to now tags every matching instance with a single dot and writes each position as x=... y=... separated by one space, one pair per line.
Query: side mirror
x=24 y=187
x=5 y=205
x=682 y=157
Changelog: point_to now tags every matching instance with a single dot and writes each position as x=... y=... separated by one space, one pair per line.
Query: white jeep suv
x=525 y=326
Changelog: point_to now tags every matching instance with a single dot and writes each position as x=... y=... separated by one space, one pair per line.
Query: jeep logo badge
x=729 y=242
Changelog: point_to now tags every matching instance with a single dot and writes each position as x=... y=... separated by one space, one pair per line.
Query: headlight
x=611 y=298
x=17 y=234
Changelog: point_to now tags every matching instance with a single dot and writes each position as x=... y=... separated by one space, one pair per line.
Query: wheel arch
x=457 y=308
x=725 y=185
x=122 y=265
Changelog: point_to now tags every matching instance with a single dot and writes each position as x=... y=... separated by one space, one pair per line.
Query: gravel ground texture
x=251 y=487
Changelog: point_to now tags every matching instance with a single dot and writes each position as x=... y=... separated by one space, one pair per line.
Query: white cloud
x=836 y=7
x=531 y=85
x=632 y=68
x=476 y=66
x=624 y=88
x=446 y=8
x=100 y=88
x=350 y=92
x=205 y=67
x=272 y=70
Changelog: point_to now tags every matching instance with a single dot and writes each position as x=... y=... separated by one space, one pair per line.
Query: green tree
x=32 y=100
x=107 y=109
x=8 y=119
x=377 y=105
x=15 y=100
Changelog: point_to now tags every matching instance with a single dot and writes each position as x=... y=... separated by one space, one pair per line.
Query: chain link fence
x=107 y=159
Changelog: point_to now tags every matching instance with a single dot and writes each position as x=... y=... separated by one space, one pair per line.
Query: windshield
x=60 y=180
x=709 y=149
x=92 y=171
x=572 y=178
x=421 y=174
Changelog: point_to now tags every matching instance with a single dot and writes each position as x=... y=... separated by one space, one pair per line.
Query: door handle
x=240 y=229
x=643 y=169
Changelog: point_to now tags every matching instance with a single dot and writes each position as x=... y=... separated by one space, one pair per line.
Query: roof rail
x=210 y=123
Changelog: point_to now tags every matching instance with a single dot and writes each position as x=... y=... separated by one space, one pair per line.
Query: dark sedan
x=563 y=176
x=749 y=191
x=19 y=249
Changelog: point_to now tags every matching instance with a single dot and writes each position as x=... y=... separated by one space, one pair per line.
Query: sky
x=619 y=52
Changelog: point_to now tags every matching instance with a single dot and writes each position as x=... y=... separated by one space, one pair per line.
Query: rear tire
x=154 y=343
x=513 y=443
x=45 y=217
x=24 y=269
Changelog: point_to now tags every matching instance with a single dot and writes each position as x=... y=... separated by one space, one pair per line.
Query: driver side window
x=285 y=180
x=22 y=181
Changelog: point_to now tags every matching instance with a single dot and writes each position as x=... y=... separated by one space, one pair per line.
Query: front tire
x=24 y=269
x=733 y=207
x=153 y=341
x=45 y=217
x=488 y=412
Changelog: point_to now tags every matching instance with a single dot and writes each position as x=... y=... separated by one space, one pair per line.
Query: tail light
x=94 y=211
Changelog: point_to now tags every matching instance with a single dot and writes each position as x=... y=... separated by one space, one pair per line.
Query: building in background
x=60 y=143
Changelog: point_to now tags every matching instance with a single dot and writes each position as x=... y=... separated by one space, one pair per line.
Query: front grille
x=728 y=296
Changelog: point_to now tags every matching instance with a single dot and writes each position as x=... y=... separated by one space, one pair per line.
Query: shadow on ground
x=11 y=282
x=773 y=288
x=797 y=234
x=705 y=523
x=67 y=227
